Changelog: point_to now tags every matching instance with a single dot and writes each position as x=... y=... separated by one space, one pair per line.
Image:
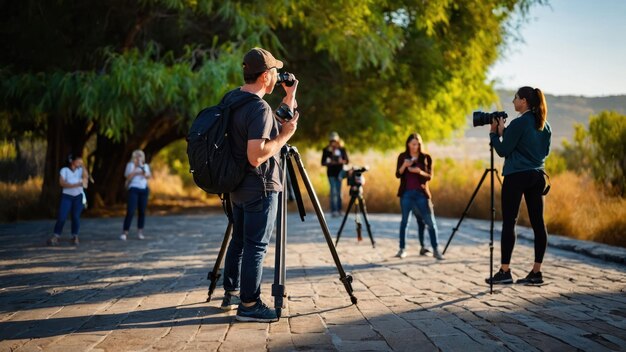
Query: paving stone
x=108 y=295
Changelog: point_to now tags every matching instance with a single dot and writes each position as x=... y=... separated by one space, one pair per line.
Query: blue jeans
x=416 y=202
x=335 y=193
x=137 y=199
x=252 y=230
x=67 y=204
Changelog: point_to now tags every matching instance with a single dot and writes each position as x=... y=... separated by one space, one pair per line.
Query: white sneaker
x=140 y=236
x=401 y=254
x=438 y=255
x=123 y=237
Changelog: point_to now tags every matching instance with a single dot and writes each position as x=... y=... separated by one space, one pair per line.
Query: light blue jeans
x=252 y=230
x=335 y=193
x=416 y=202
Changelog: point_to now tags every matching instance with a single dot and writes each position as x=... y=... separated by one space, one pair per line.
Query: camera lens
x=480 y=118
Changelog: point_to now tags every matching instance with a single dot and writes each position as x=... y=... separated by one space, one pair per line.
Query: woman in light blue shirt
x=137 y=174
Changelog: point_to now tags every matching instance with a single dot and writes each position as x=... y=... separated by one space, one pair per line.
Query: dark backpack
x=211 y=161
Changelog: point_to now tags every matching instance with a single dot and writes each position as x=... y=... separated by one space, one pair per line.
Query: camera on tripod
x=355 y=176
x=484 y=118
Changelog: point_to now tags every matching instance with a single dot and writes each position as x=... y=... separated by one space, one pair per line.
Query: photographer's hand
x=290 y=98
x=290 y=127
x=500 y=127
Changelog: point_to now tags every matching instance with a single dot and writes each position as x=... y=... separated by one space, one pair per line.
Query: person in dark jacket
x=415 y=169
x=334 y=157
x=524 y=144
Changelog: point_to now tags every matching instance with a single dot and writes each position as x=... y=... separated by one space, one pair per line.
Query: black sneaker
x=230 y=301
x=424 y=251
x=259 y=312
x=531 y=279
x=501 y=277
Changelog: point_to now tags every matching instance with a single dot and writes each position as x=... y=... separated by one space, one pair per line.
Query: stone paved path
x=108 y=295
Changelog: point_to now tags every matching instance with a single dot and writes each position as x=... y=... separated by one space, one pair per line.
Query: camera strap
x=547 y=185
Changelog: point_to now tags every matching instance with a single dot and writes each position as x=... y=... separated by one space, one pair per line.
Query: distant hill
x=563 y=112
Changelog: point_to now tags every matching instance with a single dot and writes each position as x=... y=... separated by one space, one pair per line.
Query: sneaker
x=531 y=279
x=53 y=241
x=438 y=255
x=230 y=301
x=259 y=312
x=501 y=277
x=140 y=236
x=401 y=254
x=123 y=237
x=74 y=240
x=424 y=251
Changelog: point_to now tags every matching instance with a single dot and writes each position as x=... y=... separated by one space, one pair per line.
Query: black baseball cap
x=259 y=60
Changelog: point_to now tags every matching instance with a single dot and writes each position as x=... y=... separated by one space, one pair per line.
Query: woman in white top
x=73 y=179
x=137 y=174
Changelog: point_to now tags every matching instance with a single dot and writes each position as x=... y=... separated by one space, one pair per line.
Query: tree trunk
x=111 y=157
x=62 y=138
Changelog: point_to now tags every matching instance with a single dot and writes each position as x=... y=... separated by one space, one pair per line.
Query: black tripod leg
x=278 y=287
x=367 y=223
x=345 y=279
x=469 y=204
x=345 y=217
x=215 y=275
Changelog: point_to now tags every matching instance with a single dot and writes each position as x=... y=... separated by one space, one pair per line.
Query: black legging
x=530 y=184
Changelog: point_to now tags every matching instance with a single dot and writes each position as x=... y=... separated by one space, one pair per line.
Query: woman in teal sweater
x=524 y=144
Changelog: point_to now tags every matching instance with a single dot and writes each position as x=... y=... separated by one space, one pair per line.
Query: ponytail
x=536 y=103
x=541 y=110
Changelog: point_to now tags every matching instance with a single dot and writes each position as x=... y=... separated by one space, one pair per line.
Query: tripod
x=356 y=193
x=491 y=171
x=288 y=156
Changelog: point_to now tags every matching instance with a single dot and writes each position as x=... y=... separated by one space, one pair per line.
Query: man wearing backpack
x=258 y=137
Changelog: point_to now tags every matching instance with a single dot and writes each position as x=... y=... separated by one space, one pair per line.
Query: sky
x=570 y=47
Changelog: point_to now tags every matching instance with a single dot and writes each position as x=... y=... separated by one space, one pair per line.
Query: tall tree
x=118 y=75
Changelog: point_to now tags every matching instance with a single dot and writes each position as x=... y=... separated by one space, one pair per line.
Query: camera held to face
x=484 y=118
x=285 y=77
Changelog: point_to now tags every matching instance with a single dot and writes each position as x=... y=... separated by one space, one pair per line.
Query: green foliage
x=556 y=163
x=175 y=157
x=132 y=72
x=601 y=150
x=388 y=68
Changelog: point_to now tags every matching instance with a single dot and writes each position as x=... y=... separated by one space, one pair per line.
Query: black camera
x=284 y=112
x=355 y=176
x=285 y=77
x=484 y=118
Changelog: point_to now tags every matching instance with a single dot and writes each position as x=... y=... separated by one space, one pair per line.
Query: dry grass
x=575 y=207
x=20 y=201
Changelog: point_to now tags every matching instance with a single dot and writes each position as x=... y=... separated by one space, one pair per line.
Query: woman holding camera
x=334 y=157
x=415 y=170
x=73 y=179
x=137 y=174
x=524 y=144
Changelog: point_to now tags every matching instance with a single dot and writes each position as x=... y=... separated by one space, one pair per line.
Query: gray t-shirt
x=254 y=120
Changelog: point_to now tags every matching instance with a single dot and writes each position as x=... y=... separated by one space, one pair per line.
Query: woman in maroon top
x=415 y=169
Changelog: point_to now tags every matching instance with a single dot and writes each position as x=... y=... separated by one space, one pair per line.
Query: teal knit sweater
x=523 y=146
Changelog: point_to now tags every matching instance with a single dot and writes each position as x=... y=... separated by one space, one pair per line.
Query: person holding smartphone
x=415 y=170
x=137 y=174
x=334 y=157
